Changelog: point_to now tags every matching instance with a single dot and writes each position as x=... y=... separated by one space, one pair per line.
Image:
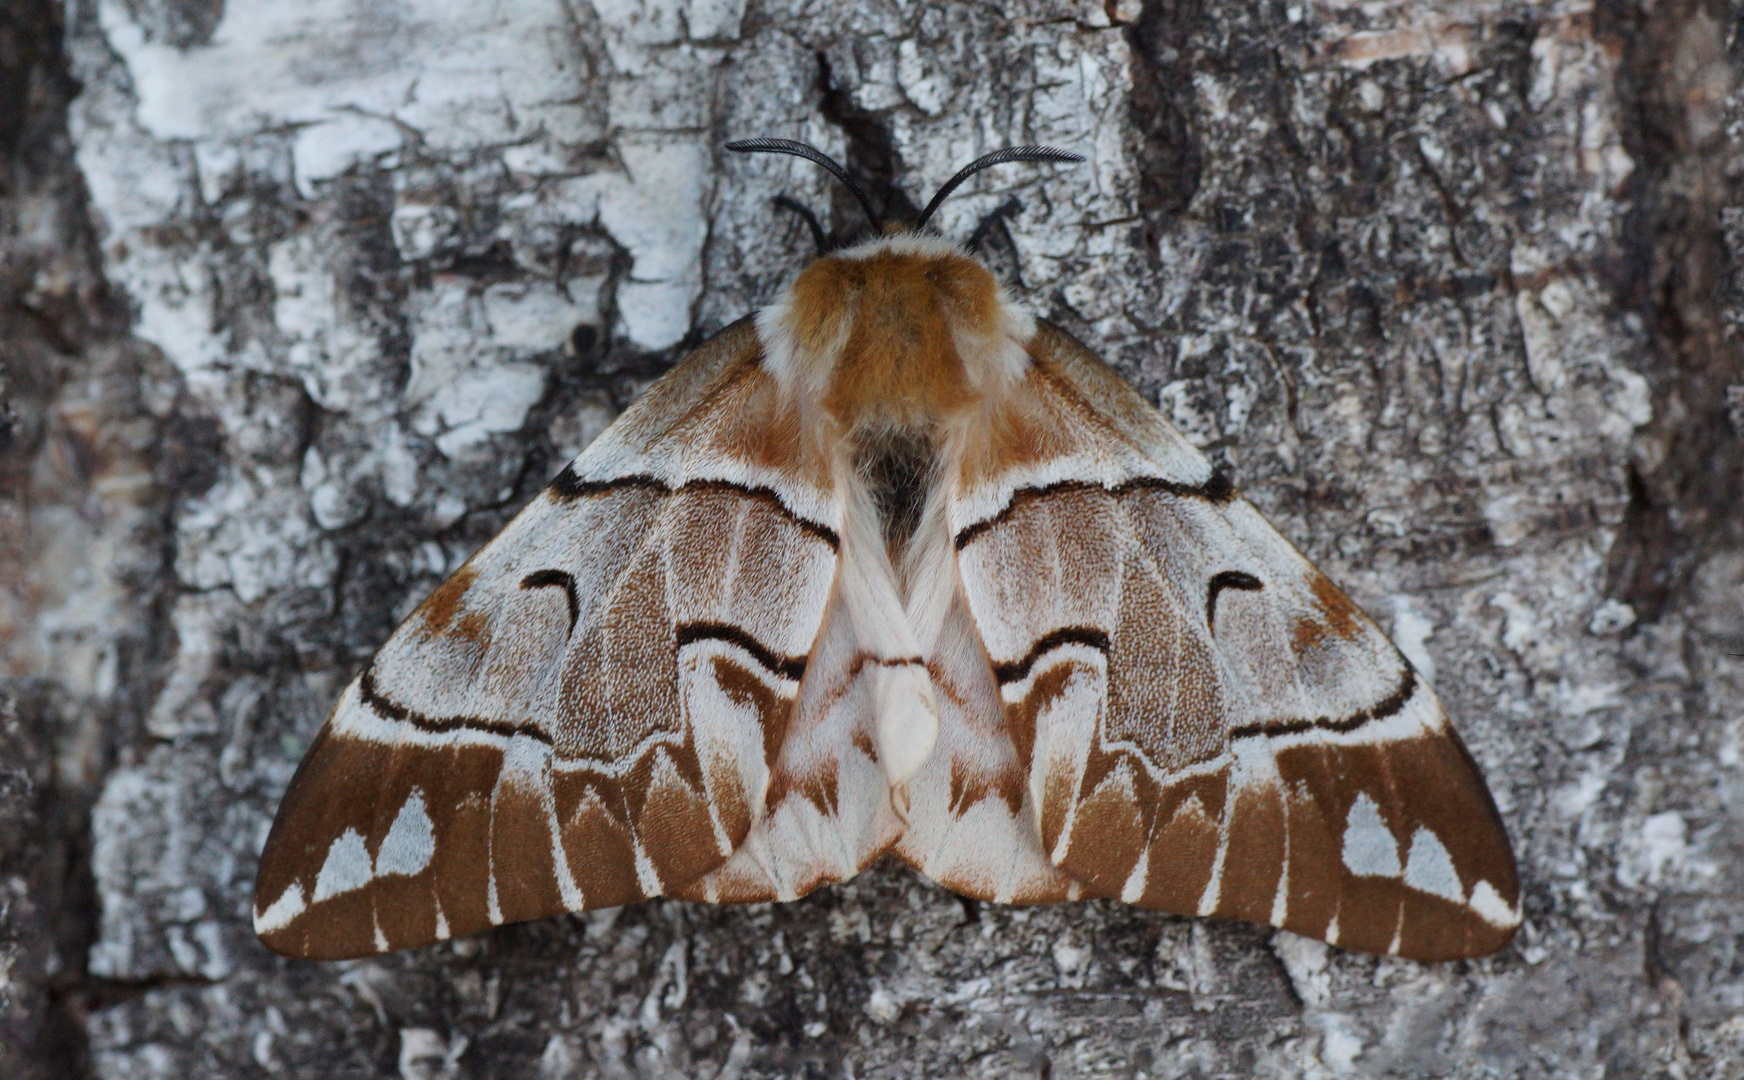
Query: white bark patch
x=1411 y=630
x=436 y=67
x=656 y=212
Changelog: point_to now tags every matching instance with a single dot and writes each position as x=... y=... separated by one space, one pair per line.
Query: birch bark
x=304 y=300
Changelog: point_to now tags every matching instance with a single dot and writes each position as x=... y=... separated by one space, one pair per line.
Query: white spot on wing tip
x=1429 y=868
x=1134 y=888
x=1332 y=930
x=1281 y=898
x=1369 y=847
x=411 y=840
x=1489 y=905
x=281 y=912
x=442 y=931
x=347 y=867
x=647 y=877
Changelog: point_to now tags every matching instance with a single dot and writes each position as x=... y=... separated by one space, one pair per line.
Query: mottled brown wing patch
x=331 y=886
x=1429 y=797
x=1275 y=826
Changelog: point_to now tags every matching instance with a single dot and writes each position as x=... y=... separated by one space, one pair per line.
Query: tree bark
x=303 y=301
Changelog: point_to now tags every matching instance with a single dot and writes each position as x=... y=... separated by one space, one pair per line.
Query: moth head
x=900 y=330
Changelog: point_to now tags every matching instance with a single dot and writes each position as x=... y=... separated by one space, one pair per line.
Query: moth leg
x=1008 y=209
x=818 y=236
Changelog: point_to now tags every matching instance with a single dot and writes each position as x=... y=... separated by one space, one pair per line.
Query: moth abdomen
x=898 y=465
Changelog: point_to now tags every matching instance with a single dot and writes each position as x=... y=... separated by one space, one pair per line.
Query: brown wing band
x=567 y=486
x=1218 y=488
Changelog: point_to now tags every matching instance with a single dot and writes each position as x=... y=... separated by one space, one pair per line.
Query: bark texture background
x=300 y=301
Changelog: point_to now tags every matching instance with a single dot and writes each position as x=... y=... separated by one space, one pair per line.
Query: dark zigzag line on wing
x=388 y=709
x=1066 y=635
x=567 y=485
x=790 y=668
x=1217 y=489
x=1096 y=639
x=1387 y=706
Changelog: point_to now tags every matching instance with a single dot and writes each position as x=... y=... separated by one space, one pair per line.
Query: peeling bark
x=298 y=303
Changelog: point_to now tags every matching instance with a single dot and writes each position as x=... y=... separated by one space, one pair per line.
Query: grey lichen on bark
x=306 y=300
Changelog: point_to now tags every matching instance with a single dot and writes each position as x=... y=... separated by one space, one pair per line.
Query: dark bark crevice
x=1168 y=154
x=72 y=398
x=1684 y=496
x=872 y=157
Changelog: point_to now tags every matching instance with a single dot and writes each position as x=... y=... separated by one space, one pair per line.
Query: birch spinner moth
x=890 y=567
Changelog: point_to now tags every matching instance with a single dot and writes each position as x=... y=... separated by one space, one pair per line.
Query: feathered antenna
x=998 y=157
x=987 y=161
x=799 y=149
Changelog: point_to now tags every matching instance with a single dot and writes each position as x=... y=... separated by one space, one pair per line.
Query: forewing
x=1207 y=725
x=586 y=713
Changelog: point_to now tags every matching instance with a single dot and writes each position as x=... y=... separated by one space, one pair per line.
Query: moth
x=892 y=567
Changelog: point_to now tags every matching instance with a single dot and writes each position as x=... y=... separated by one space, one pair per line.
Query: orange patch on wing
x=473 y=626
x=765 y=429
x=744 y=689
x=596 y=842
x=1108 y=831
x=439 y=608
x=1306 y=634
x=1344 y=619
x=673 y=822
x=1255 y=859
x=969 y=788
x=819 y=787
x=1015 y=434
x=863 y=743
x=521 y=861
